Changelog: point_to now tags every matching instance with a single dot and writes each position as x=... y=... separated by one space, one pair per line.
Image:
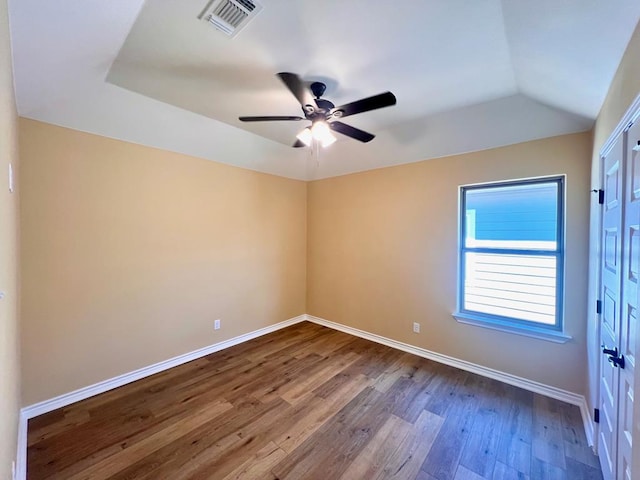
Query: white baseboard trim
x=530 y=385
x=21 y=452
x=587 y=421
x=115 y=382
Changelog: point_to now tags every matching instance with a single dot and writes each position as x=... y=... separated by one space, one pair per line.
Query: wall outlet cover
x=416 y=327
x=216 y=324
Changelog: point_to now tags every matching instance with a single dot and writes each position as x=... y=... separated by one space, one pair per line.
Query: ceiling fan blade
x=382 y=100
x=298 y=144
x=352 y=132
x=299 y=89
x=269 y=119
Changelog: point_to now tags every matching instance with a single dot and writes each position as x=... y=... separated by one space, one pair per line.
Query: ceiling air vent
x=230 y=16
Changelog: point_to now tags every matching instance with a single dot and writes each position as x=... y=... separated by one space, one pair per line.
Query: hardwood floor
x=308 y=402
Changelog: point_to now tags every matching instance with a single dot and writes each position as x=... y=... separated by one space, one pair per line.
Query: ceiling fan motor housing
x=318 y=89
x=322 y=106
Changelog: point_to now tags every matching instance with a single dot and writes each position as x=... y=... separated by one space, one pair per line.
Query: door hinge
x=600 y=195
x=596 y=415
x=598 y=307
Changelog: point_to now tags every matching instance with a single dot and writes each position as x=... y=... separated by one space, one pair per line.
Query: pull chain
x=314 y=151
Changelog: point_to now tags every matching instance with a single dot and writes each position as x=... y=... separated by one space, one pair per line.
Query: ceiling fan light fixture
x=305 y=136
x=321 y=132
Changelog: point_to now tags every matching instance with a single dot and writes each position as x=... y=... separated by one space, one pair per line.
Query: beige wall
x=9 y=365
x=130 y=253
x=624 y=89
x=381 y=251
x=382 y=254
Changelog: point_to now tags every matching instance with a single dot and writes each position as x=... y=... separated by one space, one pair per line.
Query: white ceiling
x=468 y=75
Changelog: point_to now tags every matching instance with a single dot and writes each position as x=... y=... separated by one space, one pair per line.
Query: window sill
x=539 y=333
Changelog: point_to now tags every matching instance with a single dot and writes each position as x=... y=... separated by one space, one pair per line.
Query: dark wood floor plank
x=247 y=442
x=465 y=474
x=268 y=385
x=65 y=421
x=504 y=472
x=113 y=428
x=307 y=402
x=541 y=470
x=377 y=453
x=374 y=360
x=548 y=442
x=139 y=450
x=337 y=382
x=579 y=471
x=514 y=449
x=479 y=455
x=314 y=412
x=322 y=373
x=259 y=466
x=575 y=441
x=443 y=389
x=400 y=399
x=338 y=442
x=299 y=345
x=327 y=345
x=442 y=461
x=214 y=438
x=402 y=366
x=483 y=446
x=408 y=458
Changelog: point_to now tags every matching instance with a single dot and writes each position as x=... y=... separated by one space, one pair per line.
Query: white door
x=618 y=333
x=610 y=297
x=629 y=297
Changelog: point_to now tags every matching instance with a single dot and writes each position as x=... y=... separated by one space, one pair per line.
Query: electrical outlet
x=416 y=327
x=216 y=324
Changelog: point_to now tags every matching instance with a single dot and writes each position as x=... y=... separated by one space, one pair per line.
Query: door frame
x=631 y=116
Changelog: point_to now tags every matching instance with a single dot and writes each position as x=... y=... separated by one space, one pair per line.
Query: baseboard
x=106 y=385
x=587 y=421
x=536 y=387
x=21 y=451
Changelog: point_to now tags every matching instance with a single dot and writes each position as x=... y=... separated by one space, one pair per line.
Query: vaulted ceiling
x=468 y=75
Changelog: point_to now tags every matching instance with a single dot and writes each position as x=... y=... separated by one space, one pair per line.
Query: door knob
x=608 y=351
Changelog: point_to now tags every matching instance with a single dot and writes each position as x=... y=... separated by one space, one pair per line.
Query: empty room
x=348 y=239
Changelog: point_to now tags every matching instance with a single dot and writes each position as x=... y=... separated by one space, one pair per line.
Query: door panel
x=610 y=313
x=611 y=242
x=610 y=317
x=629 y=298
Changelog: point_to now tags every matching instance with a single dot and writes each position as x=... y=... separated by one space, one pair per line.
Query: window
x=511 y=255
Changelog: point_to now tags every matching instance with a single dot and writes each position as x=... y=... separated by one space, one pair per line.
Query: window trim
x=529 y=328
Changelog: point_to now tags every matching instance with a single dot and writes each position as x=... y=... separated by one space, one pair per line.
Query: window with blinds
x=511 y=252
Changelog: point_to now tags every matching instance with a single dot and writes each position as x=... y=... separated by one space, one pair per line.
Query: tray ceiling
x=467 y=75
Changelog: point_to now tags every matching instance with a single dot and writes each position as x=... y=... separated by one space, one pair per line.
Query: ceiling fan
x=323 y=114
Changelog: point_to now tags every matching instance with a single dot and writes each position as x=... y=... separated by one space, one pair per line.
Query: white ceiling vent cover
x=230 y=16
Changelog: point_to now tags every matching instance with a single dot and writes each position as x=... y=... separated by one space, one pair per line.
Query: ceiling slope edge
x=494 y=124
x=151 y=123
